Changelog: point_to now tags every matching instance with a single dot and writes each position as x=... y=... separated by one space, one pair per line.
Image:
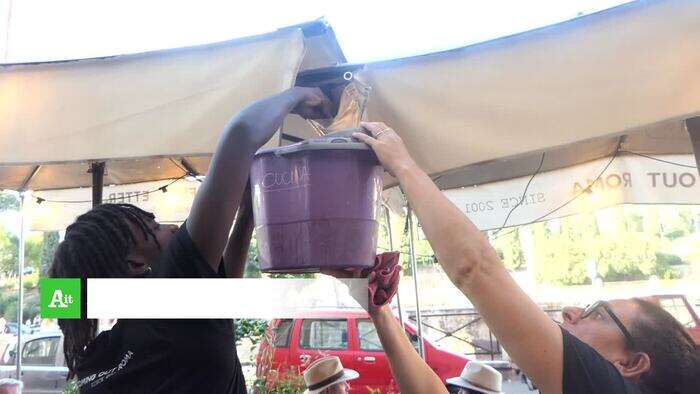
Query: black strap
x=326 y=381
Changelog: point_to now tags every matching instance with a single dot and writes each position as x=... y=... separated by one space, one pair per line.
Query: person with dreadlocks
x=123 y=241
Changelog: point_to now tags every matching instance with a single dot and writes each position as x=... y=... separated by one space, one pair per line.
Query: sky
x=40 y=30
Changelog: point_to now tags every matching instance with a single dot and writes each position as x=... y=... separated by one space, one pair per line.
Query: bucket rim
x=333 y=143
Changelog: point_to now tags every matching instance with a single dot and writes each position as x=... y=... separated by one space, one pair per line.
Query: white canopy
x=56 y=116
x=484 y=113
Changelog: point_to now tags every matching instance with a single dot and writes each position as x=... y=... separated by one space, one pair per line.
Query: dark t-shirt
x=166 y=355
x=586 y=371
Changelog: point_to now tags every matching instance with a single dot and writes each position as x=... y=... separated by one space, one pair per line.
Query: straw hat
x=326 y=372
x=480 y=377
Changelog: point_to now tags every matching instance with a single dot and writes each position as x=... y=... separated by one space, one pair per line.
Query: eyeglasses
x=590 y=309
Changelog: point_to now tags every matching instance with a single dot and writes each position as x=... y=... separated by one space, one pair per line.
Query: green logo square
x=60 y=298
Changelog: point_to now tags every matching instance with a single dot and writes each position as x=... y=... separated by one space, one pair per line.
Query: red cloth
x=384 y=278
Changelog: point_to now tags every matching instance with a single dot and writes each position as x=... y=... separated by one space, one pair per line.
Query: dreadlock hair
x=675 y=361
x=95 y=246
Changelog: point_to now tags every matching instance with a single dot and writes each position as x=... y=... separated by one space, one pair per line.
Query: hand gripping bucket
x=316 y=205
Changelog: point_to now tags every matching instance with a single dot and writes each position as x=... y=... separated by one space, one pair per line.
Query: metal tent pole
x=414 y=269
x=20 y=301
x=692 y=125
x=391 y=247
x=97 y=169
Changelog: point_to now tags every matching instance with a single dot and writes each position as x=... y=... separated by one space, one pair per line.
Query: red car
x=350 y=335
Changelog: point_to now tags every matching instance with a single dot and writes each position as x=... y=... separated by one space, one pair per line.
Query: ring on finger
x=382 y=132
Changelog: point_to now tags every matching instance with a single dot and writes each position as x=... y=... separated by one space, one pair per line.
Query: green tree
x=627 y=256
x=48 y=248
x=687 y=219
x=423 y=252
x=32 y=250
x=8 y=252
x=252 y=266
x=8 y=304
x=9 y=202
x=253 y=329
x=624 y=246
x=9 y=307
x=508 y=247
x=667 y=266
x=561 y=258
x=31 y=304
x=71 y=387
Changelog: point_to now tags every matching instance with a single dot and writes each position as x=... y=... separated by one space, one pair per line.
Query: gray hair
x=11 y=383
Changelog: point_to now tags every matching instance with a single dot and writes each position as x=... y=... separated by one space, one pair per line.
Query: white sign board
x=59 y=209
x=628 y=180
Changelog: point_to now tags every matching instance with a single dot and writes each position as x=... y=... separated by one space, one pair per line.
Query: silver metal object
x=20 y=301
x=381 y=133
x=414 y=269
x=391 y=247
x=348 y=76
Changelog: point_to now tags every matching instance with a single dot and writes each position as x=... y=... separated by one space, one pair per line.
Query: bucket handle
x=341 y=136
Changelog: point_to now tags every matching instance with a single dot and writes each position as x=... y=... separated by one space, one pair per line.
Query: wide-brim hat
x=480 y=377
x=326 y=372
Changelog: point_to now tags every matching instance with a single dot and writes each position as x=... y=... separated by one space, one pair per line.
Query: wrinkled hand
x=382 y=279
x=388 y=146
x=312 y=103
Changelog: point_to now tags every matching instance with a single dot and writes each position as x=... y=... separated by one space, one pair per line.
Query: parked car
x=11 y=328
x=43 y=364
x=682 y=310
x=350 y=335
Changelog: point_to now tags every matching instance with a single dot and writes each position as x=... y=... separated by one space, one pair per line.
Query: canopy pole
x=20 y=301
x=6 y=44
x=97 y=169
x=414 y=269
x=693 y=127
x=391 y=247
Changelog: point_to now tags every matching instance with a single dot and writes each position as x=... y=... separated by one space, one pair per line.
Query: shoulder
x=585 y=370
x=182 y=259
x=98 y=353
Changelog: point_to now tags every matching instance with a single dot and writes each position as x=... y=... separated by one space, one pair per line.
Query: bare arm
x=412 y=374
x=531 y=338
x=236 y=252
x=215 y=204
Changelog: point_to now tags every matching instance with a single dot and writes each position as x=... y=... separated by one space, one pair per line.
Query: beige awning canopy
x=485 y=113
x=472 y=115
x=150 y=115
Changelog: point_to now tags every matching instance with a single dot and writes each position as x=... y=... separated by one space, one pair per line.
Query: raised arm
x=531 y=338
x=215 y=204
x=412 y=374
x=236 y=252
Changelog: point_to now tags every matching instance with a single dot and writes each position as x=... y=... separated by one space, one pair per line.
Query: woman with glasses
x=621 y=346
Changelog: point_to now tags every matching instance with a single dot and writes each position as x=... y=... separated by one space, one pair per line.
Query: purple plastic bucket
x=316 y=205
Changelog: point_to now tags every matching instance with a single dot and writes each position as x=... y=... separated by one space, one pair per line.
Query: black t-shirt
x=166 y=355
x=586 y=371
